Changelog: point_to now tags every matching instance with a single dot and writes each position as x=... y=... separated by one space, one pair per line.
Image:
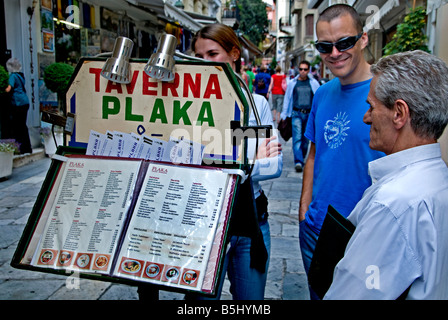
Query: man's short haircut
x=421 y=80
x=305 y=62
x=337 y=10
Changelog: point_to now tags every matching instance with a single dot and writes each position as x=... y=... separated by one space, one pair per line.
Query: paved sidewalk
x=286 y=277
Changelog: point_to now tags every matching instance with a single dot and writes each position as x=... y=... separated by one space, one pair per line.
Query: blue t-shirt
x=341 y=138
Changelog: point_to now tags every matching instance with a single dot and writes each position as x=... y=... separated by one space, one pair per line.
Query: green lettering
x=158 y=112
x=115 y=107
x=181 y=112
x=205 y=114
x=128 y=115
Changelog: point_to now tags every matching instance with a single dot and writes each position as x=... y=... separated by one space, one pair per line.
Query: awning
x=299 y=51
x=202 y=19
x=129 y=8
x=272 y=47
x=250 y=46
x=373 y=21
x=167 y=10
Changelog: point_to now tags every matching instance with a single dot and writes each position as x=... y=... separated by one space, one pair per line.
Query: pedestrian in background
x=336 y=170
x=277 y=93
x=292 y=72
x=19 y=105
x=401 y=221
x=251 y=78
x=297 y=105
x=262 y=82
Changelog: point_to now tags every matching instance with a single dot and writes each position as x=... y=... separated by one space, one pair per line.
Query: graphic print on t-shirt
x=335 y=130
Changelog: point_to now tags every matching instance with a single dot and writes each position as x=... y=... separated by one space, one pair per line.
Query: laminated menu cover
x=131 y=219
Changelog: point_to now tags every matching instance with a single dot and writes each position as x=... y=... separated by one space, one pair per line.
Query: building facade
x=41 y=32
x=380 y=18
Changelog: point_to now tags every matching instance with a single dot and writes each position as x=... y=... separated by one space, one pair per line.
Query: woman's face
x=211 y=50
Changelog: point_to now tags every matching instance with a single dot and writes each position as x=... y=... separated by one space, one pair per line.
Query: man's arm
x=307 y=184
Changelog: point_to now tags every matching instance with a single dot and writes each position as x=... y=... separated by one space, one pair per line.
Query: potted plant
x=57 y=77
x=48 y=140
x=5 y=99
x=4 y=79
x=7 y=150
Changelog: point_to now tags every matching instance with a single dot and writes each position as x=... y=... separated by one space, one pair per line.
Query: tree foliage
x=410 y=34
x=253 y=19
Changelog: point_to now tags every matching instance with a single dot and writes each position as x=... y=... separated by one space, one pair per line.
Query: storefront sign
x=198 y=105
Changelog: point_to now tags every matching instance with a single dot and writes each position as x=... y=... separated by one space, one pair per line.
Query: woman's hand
x=269 y=148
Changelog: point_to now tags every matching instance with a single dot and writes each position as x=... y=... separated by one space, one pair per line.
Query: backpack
x=261 y=84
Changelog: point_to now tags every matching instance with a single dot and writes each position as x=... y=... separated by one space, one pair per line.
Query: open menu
x=134 y=219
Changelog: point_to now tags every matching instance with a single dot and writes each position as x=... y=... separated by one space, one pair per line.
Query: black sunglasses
x=303 y=69
x=342 y=45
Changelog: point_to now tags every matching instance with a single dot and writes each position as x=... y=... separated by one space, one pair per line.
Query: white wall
x=441 y=50
x=18 y=41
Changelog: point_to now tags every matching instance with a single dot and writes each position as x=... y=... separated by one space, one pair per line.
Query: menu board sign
x=134 y=219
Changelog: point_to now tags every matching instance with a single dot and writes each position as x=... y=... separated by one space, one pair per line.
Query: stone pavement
x=286 y=277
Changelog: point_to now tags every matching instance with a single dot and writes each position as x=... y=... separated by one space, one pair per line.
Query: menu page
x=172 y=230
x=85 y=220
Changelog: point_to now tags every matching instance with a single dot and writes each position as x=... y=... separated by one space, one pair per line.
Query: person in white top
x=400 y=245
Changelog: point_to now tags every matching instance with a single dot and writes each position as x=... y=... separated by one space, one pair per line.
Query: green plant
x=410 y=34
x=9 y=145
x=45 y=131
x=4 y=79
x=57 y=77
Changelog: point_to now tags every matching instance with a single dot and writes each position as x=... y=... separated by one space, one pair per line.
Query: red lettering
x=131 y=86
x=195 y=86
x=213 y=87
x=171 y=86
x=160 y=170
x=113 y=86
x=148 y=84
x=76 y=165
x=96 y=72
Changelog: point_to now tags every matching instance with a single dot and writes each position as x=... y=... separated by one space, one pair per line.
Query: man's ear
x=402 y=114
x=364 y=40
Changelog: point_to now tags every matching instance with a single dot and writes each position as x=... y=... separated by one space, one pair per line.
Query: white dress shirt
x=401 y=236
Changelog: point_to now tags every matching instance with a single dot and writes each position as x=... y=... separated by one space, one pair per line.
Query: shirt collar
x=385 y=165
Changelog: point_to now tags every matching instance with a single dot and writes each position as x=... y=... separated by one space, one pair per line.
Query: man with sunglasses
x=297 y=105
x=336 y=170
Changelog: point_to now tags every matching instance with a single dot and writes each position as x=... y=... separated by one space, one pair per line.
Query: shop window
x=309 y=25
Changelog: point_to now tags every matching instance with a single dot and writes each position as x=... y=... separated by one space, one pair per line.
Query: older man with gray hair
x=400 y=245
